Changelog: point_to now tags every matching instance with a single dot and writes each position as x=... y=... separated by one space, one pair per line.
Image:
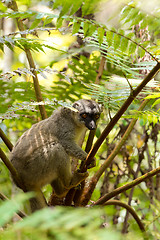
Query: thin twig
x=128 y=82
x=97 y=81
x=138 y=44
x=100 y=70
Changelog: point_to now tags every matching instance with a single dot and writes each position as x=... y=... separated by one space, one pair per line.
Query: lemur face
x=89 y=112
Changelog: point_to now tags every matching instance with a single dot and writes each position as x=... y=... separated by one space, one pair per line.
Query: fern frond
x=146 y=116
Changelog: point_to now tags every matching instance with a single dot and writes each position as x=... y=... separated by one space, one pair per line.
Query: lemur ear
x=84 y=105
x=75 y=107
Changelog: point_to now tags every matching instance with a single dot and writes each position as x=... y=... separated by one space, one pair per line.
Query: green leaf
x=1 y=47
x=86 y=61
x=76 y=5
x=85 y=28
x=10 y=46
x=88 y=7
x=76 y=26
x=66 y=6
x=133 y=13
x=10 y=207
x=40 y=15
x=92 y=29
x=124 y=44
x=47 y=20
x=156 y=102
x=125 y=11
x=3 y=7
x=130 y=35
x=57 y=3
x=132 y=48
x=121 y=31
x=153 y=96
x=141 y=52
x=117 y=40
x=35 y=23
x=98 y=132
x=100 y=33
x=59 y=22
x=144 y=23
x=109 y=37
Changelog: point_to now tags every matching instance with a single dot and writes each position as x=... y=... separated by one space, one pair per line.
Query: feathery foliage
x=85 y=49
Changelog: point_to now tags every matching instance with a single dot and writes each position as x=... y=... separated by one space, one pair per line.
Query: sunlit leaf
x=10 y=207
x=109 y=37
x=76 y=26
x=100 y=33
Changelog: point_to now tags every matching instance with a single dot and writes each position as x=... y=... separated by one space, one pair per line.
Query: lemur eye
x=84 y=115
x=97 y=116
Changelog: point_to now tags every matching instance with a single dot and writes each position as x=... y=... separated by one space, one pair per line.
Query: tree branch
x=12 y=170
x=116 y=150
x=14 y=7
x=6 y=140
x=88 y=192
x=76 y=194
x=119 y=190
x=118 y=115
x=97 y=81
x=129 y=209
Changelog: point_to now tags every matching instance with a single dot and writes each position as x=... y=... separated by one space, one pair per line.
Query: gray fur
x=42 y=154
x=88 y=106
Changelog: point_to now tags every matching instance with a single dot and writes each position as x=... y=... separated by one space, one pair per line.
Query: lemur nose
x=92 y=125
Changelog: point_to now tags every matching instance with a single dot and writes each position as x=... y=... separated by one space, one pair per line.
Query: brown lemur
x=42 y=154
